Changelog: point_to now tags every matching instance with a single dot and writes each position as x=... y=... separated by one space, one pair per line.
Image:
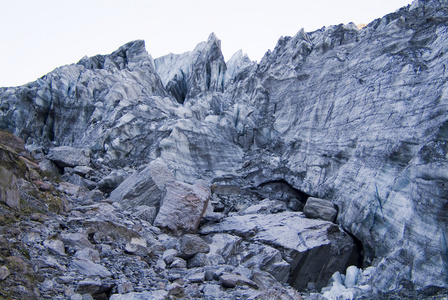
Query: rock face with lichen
x=23 y=195
x=358 y=118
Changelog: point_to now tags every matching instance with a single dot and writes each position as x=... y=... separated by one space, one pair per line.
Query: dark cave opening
x=280 y=189
x=357 y=257
x=178 y=87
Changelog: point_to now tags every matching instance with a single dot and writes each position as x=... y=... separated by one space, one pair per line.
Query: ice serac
x=190 y=74
x=112 y=104
x=355 y=117
x=239 y=66
x=360 y=117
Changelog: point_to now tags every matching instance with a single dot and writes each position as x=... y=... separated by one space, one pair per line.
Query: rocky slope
x=354 y=117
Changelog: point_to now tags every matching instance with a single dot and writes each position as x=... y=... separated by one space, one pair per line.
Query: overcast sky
x=37 y=36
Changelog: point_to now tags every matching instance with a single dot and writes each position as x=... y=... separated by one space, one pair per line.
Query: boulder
x=169 y=255
x=136 y=249
x=4 y=272
x=160 y=266
x=178 y=263
x=175 y=290
x=83 y=171
x=241 y=270
x=144 y=188
x=154 y=295
x=190 y=245
x=112 y=181
x=295 y=238
x=76 y=240
x=233 y=280
x=316 y=208
x=70 y=188
x=88 y=254
x=48 y=167
x=214 y=272
x=196 y=275
x=55 y=245
x=265 y=207
x=216 y=260
x=65 y=156
x=146 y=213
x=264 y=280
x=90 y=286
x=89 y=268
x=198 y=261
x=182 y=208
x=107 y=230
x=225 y=245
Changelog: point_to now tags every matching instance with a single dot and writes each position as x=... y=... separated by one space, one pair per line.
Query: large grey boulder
x=65 y=156
x=182 y=208
x=293 y=237
x=147 y=187
x=320 y=209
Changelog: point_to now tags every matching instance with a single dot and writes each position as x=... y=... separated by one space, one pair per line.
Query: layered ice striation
x=357 y=117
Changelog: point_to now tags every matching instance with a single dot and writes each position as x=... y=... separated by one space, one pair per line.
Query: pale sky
x=37 y=36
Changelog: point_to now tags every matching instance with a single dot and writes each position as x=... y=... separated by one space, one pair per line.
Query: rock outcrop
x=358 y=118
x=328 y=247
x=65 y=156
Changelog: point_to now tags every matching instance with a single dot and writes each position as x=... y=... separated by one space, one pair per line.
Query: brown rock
x=13 y=142
x=182 y=208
